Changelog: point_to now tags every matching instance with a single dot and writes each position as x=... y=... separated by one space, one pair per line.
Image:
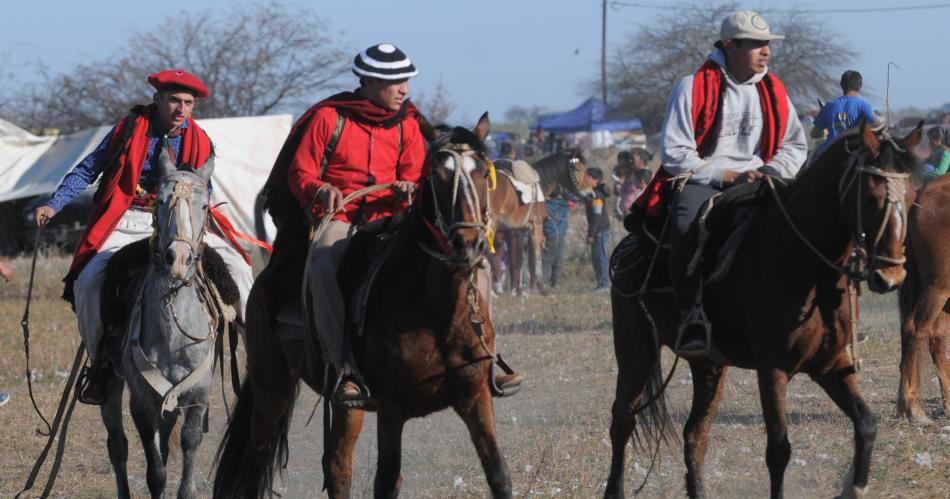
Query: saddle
x=524 y=178
x=723 y=222
x=127 y=266
x=364 y=256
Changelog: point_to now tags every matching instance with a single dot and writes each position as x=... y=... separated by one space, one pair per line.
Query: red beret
x=178 y=78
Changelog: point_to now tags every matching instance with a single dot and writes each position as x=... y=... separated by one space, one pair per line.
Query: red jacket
x=362 y=150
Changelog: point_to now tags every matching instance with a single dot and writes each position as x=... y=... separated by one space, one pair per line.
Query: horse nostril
x=188 y=260
x=169 y=257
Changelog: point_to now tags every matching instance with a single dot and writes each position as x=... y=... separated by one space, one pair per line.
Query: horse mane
x=835 y=157
x=549 y=167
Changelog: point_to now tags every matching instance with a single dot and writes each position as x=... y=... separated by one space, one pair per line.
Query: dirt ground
x=554 y=432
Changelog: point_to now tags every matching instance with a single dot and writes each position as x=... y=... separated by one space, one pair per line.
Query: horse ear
x=483 y=127
x=869 y=138
x=428 y=131
x=206 y=170
x=165 y=158
x=913 y=138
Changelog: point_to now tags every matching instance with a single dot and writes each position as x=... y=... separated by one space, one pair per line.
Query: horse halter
x=572 y=172
x=462 y=187
x=177 y=204
x=861 y=262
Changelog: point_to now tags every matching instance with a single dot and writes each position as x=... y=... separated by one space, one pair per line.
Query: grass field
x=554 y=432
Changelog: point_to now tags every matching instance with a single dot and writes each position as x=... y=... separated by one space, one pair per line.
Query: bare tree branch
x=255 y=60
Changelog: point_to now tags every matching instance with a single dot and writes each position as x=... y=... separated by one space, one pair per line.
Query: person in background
x=7 y=273
x=553 y=254
x=844 y=112
x=633 y=184
x=598 y=231
x=939 y=161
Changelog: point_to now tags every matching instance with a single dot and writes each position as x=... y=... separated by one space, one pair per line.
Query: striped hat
x=384 y=61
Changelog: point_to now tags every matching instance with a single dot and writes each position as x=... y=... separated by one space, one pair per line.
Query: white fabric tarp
x=245 y=148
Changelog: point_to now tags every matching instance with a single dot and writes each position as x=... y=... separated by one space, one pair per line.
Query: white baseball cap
x=746 y=25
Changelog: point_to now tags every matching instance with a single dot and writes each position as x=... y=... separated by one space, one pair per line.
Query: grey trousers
x=327 y=303
x=684 y=234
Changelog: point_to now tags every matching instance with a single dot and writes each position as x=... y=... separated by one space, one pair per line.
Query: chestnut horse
x=923 y=297
x=566 y=169
x=782 y=309
x=428 y=342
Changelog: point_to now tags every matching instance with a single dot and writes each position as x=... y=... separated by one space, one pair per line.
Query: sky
x=491 y=54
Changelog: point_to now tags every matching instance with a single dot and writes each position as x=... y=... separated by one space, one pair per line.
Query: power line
x=858 y=10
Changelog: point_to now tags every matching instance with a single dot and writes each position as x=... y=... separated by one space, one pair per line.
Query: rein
x=25 y=324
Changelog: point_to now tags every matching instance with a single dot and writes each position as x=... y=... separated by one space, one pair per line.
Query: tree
x=644 y=70
x=523 y=115
x=255 y=60
x=437 y=108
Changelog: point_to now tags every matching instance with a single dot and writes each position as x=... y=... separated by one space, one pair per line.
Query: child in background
x=598 y=231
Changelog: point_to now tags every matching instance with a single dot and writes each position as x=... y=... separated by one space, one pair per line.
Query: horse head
x=181 y=211
x=876 y=194
x=576 y=175
x=456 y=203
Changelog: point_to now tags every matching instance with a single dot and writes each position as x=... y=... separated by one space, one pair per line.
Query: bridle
x=180 y=200
x=860 y=264
x=463 y=188
x=572 y=173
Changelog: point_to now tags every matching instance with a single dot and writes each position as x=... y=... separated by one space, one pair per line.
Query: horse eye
x=205 y=207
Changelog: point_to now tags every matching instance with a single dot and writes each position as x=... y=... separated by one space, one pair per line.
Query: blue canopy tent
x=588 y=117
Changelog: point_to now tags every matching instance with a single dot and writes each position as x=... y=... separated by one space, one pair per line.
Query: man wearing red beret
x=122 y=205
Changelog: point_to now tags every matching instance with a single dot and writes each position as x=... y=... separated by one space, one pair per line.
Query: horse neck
x=161 y=327
x=814 y=205
x=430 y=280
x=549 y=170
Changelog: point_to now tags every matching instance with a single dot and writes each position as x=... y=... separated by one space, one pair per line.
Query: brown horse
x=567 y=170
x=428 y=342
x=781 y=310
x=924 y=297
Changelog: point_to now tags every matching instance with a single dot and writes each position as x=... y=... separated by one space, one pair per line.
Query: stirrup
x=696 y=317
x=349 y=373
x=507 y=389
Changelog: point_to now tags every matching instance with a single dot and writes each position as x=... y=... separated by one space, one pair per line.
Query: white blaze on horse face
x=181 y=227
x=468 y=163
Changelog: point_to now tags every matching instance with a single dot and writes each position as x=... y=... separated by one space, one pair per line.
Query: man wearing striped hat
x=342 y=144
x=127 y=160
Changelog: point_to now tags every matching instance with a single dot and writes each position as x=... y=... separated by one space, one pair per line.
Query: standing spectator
x=939 y=161
x=598 y=231
x=621 y=170
x=7 y=273
x=558 y=206
x=633 y=184
x=844 y=112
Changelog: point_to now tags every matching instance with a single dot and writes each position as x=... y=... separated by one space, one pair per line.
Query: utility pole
x=603 y=54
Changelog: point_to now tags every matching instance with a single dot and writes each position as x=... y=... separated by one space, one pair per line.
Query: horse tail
x=250 y=456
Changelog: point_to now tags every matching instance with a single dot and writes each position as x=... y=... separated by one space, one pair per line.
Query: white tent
x=245 y=147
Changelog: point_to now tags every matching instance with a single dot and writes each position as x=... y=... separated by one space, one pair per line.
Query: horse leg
x=479 y=416
x=389 y=426
x=841 y=385
x=938 y=352
x=637 y=359
x=146 y=421
x=708 y=381
x=192 y=432
x=773 y=385
x=165 y=428
x=118 y=445
x=338 y=460
x=534 y=249
x=516 y=260
x=917 y=328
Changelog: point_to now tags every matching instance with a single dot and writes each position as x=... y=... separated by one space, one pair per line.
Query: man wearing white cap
x=729 y=123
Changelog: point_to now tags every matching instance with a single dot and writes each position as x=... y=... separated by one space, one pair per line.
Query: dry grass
x=554 y=433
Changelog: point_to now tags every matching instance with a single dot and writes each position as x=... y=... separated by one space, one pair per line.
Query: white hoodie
x=740 y=130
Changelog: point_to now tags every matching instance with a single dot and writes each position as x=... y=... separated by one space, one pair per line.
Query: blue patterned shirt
x=89 y=169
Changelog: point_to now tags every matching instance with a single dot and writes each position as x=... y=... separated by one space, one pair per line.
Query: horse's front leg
x=118 y=444
x=192 y=431
x=773 y=386
x=479 y=416
x=146 y=421
x=338 y=457
x=389 y=426
x=841 y=385
x=708 y=381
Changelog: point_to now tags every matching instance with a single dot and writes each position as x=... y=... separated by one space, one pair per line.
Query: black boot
x=694 y=335
x=93 y=381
